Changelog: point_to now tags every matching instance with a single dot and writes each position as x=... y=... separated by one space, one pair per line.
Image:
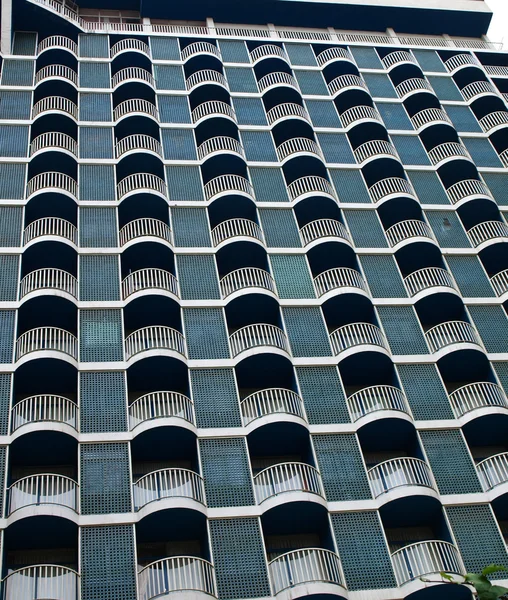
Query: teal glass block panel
x=279 y=227
x=445 y=88
x=179 y=144
x=394 y=116
x=95 y=107
x=234 y=51
x=258 y=146
x=269 y=184
x=25 y=44
x=482 y=152
x=292 y=276
x=428 y=187
x=306 y=331
x=323 y=113
x=225 y=468
x=14 y=140
x=366 y=58
x=239 y=558
x=336 y=148
x=477 y=534
x=174 y=109
x=7 y=320
x=501 y=369
x=97 y=227
x=383 y=276
x=197 y=276
x=105 y=478
x=410 y=150
x=448 y=229
x=164 y=48
x=11 y=220
x=93 y=46
x=429 y=60
x=402 y=329
x=463 y=119
x=322 y=394
x=5 y=402
x=9 y=270
x=470 y=277
x=99 y=278
x=95 y=142
x=205 y=333
x=100 y=338
x=97 y=182
x=191 y=227
x=12 y=181
x=102 y=402
x=425 y=392
x=15 y=105
x=18 y=72
x=450 y=462
x=108 y=563
x=498 y=185
x=301 y=55
x=363 y=551
x=380 y=85
x=249 y=111
x=215 y=397
x=3 y=464
x=169 y=77
x=341 y=466
x=94 y=75
x=311 y=83
x=350 y=186
x=492 y=325
x=241 y=79
x=184 y=183
x=365 y=228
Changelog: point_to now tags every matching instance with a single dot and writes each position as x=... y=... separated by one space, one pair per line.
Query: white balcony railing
x=150 y=278
x=247 y=277
x=57 y=41
x=41 y=581
x=415 y=84
x=335 y=53
x=129 y=44
x=488 y=230
x=452 y=332
x=200 y=48
x=205 y=76
x=228 y=184
x=270 y=402
x=154 y=337
x=468 y=188
x=389 y=187
x=212 y=108
x=47 y=338
x=356 y=114
x=448 y=150
x=277 y=78
x=496 y=71
x=427 y=278
x=168 y=483
x=135 y=106
x=297 y=146
x=236 y=228
x=478 y=88
x=268 y=51
x=55 y=103
x=37 y=409
x=398 y=472
x=138 y=142
x=132 y=74
x=493 y=471
x=159 y=405
x=310 y=184
x=145 y=227
x=405 y=230
x=503 y=156
x=357 y=334
x=374 y=148
x=339 y=277
x=322 y=228
x=430 y=116
x=426 y=558
x=46 y=488
x=220 y=144
x=287 y=110
x=346 y=82
x=52 y=179
x=287 y=477
x=59 y=71
x=495 y=119
x=176 y=574
x=141 y=181
x=48 y=278
x=54 y=139
x=461 y=60
x=255 y=336
x=397 y=58
x=472 y=396
x=375 y=398
x=50 y=226
x=500 y=282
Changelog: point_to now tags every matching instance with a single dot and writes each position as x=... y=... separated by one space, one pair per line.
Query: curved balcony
x=413 y=85
x=500 y=282
x=227 y=184
x=55 y=104
x=310 y=185
x=160 y=405
x=132 y=74
x=447 y=151
x=452 y=332
x=247 y=277
x=494 y=120
x=42 y=581
x=337 y=278
x=220 y=144
x=376 y=398
x=168 y=483
x=399 y=57
x=426 y=558
x=346 y=82
x=430 y=116
x=205 y=76
x=47 y=338
x=477 y=89
x=461 y=60
x=298 y=145
x=256 y=336
x=272 y=401
x=359 y=114
x=428 y=278
x=233 y=228
x=476 y=396
x=287 y=477
x=154 y=337
x=141 y=182
x=306 y=566
x=335 y=53
x=398 y=472
x=137 y=143
x=149 y=279
x=135 y=106
x=52 y=180
x=487 y=231
x=357 y=334
x=468 y=189
x=57 y=42
x=145 y=227
x=56 y=72
x=375 y=149
x=323 y=228
x=51 y=226
x=129 y=45
x=406 y=230
x=287 y=110
x=389 y=187
x=268 y=51
x=276 y=79
x=198 y=48
x=493 y=471
x=48 y=279
x=44 y=408
x=46 y=488
x=54 y=139
x=176 y=574
x=212 y=108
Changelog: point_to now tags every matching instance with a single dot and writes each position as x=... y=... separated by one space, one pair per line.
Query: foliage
x=482 y=586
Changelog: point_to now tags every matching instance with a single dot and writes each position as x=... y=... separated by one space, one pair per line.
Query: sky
x=498 y=31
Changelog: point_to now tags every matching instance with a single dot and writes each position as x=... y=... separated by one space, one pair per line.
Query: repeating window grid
x=401 y=330
x=491 y=323
x=365 y=228
x=482 y=286
x=6 y=382
x=216 y=397
x=164 y=48
x=178 y=106
x=314 y=384
x=95 y=142
x=94 y=75
x=376 y=274
x=356 y=180
x=18 y=73
x=306 y=331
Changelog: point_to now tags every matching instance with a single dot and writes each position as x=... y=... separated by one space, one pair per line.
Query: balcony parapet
x=168 y=483
x=335 y=53
x=448 y=150
x=139 y=182
x=496 y=70
x=287 y=110
x=57 y=42
x=151 y=278
x=300 y=145
x=213 y=108
x=272 y=401
x=426 y=558
x=391 y=186
x=346 y=82
x=323 y=228
x=56 y=71
x=476 y=396
x=358 y=114
x=493 y=471
x=256 y=336
x=427 y=278
x=500 y=282
x=406 y=230
x=247 y=277
x=129 y=44
x=132 y=74
x=275 y=79
x=135 y=106
x=233 y=228
x=357 y=334
x=46 y=488
x=287 y=477
x=495 y=119
x=52 y=180
x=398 y=472
x=47 y=338
x=43 y=581
x=205 y=76
x=220 y=144
x=487 y=231
x=228 y=184
x=452 y=332
x=503 y=157
x=57 y=104
x=399 y=57
x=337 y=278
x=154 y=337
x=376 y=398
x=54 y=139
x=144 y=227
x=375 y=149
x=468 y=189
x=478 y=88
x=198 y=48
x=44 y=408
x=48 y=278
x=138 y=142
x=461 y=60
x=268 y=51
x=160 y=405
x=430 y=116
x=50 y=226
x=310 y=184
x=415 y=84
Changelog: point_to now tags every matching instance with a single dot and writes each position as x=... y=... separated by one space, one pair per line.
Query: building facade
x=253 y=334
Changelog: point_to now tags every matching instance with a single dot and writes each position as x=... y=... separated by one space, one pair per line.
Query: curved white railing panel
x=132 y=74
x=50 y=226
x=495 y=119
x=46 y=488
x=310 y=184
x=268 y=51
x=478 y=88
x=277 y=78
x=129 y=44
x=488 y=230
x=375 y=398
x=57 y=41
x=135 y=105
x=503 y=156
x=429 y=116
x=390 y=186
x=144 y=227
x=477 y=395
x=220 y=144
x=212 y=108
x=255 y=336
x=236 y=228
x=247 y=277
x=500 y=282
x=48 y=278
x=448 y=150
x=429 y=277
x=468 y=188
x=461 y=60
x=55 y=103
x=47 y=338
x=37 y=409
x=287 y=110
x=287 y=477
x=398 y=57
x=138 y=142
x=323 y=228
x=168 y=483
x=425 y=558
x=154 y=337
x=357 y=114
x=405 y=230
x=398 y=472
x=159 y=405
x=200 y=48
x=205 y=76
x=228 y=183
x=271 y=401
x=59 y=71
x=335 y=53
x=493 y=471
x=346 y=82
x=297 y=146
x=149 y=278
x=415 y=84
x=357 y=334
x=52 y=179
x=374 y=148
x=141 y=181
x=54 y=139
x=339 y=277
x=42 y=581
x=452 y=332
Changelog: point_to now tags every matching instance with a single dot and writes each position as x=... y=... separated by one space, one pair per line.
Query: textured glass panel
x=350 y=186
x=234 y=51
x=94 y=75
x=10 y=225
x=15 y=105
x=97 y=182
x=249 y=111
x=498 y=185
x=184 y=183
x=311 y=83
x=97 y=227
x=215 y=398
x=429 y=61
x=492 y=325
x=448 y=229
x=101 y=337
x=428 y=187
x=99 y=278
x=301 y=54
x=366 y=58
x=462 y=118
x=383 y=276
x=322 y=395
x=365 y=228
x=268 y=184
x=7 y=319
x=13 y=140
x=169 y=77
x=323 y=113
x=394 y=116
x=165 y=48
x=95 y=107
x=24 y=43
x=9 y=269
x=402 y=329
x=292 y=276
x=241 y=79
x=445 y=88
x=95 y=142
x=5 y=400
x=425 y=392
x=306 y=331
x=18 y=72
x=103 y=403
x=191 y=227
x=3 y=464
x=197 y=277
x=179 y=144
x=174 y=109
x=410 y=150
x=280 y=229
x=336 y=148
x=482 y=152
x=94 y=46
x=470 y=276
x=12 y=181
x=501 y=369
x=205 y=332
x=258 y=146
x=380 y=85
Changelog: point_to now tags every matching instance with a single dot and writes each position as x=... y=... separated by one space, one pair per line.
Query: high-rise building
x=253 y=287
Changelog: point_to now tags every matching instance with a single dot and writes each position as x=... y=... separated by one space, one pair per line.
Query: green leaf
x=493 y=569
x=499 y=590
x=447 y=576
x=480 y=582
